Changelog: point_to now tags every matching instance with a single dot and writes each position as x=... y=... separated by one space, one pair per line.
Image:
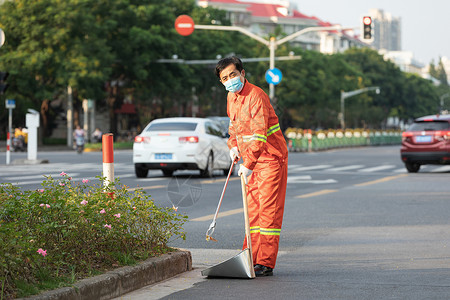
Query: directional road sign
x=10 y=103
x=184 y=25
x=273 y=76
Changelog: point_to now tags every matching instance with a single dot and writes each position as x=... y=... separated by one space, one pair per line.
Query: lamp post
x=345 y=95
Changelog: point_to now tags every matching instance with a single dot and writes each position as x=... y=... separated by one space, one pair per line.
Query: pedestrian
x=97 y=135
x=255 y=136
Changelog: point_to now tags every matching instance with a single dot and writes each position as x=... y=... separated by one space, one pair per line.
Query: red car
x=427 y=141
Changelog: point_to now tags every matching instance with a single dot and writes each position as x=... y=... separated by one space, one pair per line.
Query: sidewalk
x=123 y=280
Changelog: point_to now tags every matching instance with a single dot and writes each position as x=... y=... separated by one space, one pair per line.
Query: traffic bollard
x=8 y=146
x=108 y=159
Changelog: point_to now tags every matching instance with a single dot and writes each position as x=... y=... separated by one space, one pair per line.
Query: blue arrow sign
x=273 y=76
x=10 y=103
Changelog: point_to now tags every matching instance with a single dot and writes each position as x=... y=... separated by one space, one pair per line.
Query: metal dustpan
x=241 y=265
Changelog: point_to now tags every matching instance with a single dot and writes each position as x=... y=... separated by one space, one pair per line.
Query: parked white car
x=172 y=144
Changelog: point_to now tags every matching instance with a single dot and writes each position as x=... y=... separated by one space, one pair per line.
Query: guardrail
x=303 y=140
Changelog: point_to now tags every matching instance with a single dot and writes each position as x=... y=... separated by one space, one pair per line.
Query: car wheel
x=208 y=171
x=167 y=173
x=412 y=167
x=140 y=171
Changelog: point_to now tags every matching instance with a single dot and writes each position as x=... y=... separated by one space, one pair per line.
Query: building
x=386 y=30
x=262 y=17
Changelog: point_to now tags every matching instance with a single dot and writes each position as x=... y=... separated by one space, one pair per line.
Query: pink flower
x=62 y=174
x=117 y=216
x=62 y=184
x=85 y=180
x=103 y=211
x=70 y=178
x=42 y=204
x=107 y=226
x=42 y=252
x=84 y=202
x=47 y=205
x=41 y=190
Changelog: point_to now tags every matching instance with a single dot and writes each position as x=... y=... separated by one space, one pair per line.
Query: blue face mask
x=234 y=85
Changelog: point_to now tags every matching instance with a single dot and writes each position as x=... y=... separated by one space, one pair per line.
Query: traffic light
x=3 y=84
x=367 y=28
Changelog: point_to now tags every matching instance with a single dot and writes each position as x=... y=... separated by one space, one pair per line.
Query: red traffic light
x=367 y=20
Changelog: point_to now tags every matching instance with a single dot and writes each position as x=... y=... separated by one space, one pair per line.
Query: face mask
x=234 y=85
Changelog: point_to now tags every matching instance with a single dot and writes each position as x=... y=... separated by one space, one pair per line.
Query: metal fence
x=302 y=140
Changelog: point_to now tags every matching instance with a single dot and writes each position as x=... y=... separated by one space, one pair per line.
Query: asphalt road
x=356 y=225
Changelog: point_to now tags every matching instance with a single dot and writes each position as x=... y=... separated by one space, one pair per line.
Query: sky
x=425 y=23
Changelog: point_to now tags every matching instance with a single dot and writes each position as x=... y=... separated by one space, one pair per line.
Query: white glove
x=244 y=171
x=234 y=153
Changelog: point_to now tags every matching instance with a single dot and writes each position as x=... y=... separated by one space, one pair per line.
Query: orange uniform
x=255 y=130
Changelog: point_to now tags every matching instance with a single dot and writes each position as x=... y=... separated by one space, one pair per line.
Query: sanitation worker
x=255 y=136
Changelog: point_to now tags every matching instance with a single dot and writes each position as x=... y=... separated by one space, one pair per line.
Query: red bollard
x=8 y=145
x=108 y=159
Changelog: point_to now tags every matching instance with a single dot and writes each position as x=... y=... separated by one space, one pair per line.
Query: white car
x=181 y=144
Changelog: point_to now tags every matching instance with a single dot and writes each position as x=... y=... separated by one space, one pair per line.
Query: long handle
x=247 y=222
x=210 y=230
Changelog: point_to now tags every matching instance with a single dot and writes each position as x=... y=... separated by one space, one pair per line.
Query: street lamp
x=345 y=95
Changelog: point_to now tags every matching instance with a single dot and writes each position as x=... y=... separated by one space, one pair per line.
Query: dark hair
x=225 y=62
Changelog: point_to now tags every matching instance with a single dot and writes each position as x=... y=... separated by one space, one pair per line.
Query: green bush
x=65 y=231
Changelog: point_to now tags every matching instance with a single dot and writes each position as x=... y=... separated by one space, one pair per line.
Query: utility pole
x=345 y=95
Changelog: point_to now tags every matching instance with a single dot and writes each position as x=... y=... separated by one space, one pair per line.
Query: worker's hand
x=234 y=153
x=244 y=171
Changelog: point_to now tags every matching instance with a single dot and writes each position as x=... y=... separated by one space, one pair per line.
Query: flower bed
x=65 y=231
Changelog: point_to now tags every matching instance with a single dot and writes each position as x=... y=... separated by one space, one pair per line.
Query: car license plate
x=163 y=156
x=423 y=139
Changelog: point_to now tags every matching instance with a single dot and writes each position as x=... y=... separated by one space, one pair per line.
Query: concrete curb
x=123 y=280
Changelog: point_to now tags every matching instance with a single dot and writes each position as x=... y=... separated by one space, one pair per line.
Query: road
x=356 y=225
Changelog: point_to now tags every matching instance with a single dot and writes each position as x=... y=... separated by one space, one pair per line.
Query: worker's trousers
x=266 y=192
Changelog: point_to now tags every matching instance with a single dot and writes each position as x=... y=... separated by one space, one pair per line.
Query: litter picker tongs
x=211 y=228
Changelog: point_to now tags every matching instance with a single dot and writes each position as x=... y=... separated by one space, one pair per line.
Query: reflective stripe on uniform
x=254 y=229
x=273 y=129
x=254 y=137
x=270 y=231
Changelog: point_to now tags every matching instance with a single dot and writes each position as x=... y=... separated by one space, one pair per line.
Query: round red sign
x=184 y=25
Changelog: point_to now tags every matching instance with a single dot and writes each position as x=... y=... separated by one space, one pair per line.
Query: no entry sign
x=184 y=25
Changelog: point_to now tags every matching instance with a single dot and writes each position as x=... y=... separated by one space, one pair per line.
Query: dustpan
x=241 y=265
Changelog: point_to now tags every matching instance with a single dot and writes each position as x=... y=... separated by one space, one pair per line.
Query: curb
x=123 y=280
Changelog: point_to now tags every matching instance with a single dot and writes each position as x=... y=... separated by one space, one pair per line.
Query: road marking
x=148 y=187
x=222 y=214
x=379 y=168
x=54 y=176
x=381 y=180
x=319 y=193
x=219 y=180
x=352 y=167
x=310 y=168
x=441 y=169
x=307 y=179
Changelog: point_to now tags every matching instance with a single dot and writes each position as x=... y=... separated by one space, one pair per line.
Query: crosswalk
x=34 y=174
x=362 y=169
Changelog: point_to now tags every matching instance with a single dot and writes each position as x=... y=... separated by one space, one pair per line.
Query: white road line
x=441 y=169
x=54 y=176
x=310 y=168
x=351 y=167
x=379 y=168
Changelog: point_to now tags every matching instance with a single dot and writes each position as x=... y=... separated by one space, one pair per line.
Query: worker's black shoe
x=261 y=270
